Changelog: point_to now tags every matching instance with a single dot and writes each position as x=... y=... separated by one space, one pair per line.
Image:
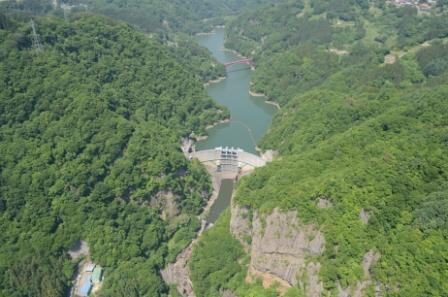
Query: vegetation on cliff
x=89 y=133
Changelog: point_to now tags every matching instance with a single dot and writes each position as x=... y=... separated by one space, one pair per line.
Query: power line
x=248 y=129
x=35 y=38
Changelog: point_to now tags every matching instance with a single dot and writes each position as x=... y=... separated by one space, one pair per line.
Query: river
x=250 y=116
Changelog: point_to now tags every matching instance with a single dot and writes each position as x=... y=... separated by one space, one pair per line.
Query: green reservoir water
x=250 y=116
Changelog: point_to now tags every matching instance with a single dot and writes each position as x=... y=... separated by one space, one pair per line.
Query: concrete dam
x=228 y=160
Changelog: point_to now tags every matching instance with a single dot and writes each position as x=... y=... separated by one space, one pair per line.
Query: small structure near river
x=89 y=276
x=89 y=279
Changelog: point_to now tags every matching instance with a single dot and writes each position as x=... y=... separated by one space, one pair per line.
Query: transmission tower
x=35 y=38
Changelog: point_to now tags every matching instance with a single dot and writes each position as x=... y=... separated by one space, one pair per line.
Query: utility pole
x=35 y=38
x=65 y=14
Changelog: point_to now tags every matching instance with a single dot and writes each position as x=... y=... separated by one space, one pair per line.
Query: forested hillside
x=297 y=45
x=92 y=113
x=173 y=15
x=362 y=142
x=199 y=60
x=90 y=128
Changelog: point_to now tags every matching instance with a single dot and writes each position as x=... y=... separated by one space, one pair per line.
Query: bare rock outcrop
x=364 y=216
x=283 y=251
x=177 y=273
x=280 y=249
x=187 y=146
x=240 y=224
x=228 y=293
x=324 y=203
x=314 y=286
x=269 y=155
x=369 y=259
x=165 y=201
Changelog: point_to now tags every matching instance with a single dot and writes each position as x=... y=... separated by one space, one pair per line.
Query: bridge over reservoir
x=244 y=61
x=226 y=159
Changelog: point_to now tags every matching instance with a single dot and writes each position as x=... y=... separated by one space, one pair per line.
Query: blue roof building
x=85 y=289
x=85 y=286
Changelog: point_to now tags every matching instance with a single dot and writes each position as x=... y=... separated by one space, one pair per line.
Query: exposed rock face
x=166 y=203
x=269 y=155
x=280 y=247
x=364 y=216
x=267 y=279
x=187 y=146
x=315 y=286
x=390 y=59
x=240 y=224
x=370 y=258
x=228 y=293
x=177 y=273
x=324 y=203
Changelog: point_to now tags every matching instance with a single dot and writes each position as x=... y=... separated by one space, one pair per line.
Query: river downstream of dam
x=250 y=116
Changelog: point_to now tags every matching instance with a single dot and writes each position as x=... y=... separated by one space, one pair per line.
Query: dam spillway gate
x=228 y=159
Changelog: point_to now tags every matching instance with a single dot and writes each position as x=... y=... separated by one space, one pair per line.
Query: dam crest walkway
x=228 y=159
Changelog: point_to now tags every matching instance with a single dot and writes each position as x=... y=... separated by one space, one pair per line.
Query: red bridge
x=241 y=62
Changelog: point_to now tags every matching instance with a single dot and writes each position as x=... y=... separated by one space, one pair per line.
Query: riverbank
x=267 y=101
x=204 y=33
x=204 y=137
x=214 y=81
x=239 y=55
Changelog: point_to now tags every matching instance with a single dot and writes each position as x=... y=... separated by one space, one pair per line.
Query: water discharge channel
x=250 y=116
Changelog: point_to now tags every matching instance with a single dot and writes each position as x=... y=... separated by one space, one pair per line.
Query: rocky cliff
x=285 y=251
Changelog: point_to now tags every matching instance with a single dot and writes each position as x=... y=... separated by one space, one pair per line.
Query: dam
x=225 y=159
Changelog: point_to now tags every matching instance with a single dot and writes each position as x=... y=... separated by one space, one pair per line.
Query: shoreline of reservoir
x=249 y=121
x=267 y=101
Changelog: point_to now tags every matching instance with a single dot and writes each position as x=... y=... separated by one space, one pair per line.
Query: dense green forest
x=187 y=16
x=91 y=122
x=90 y=128
x=148 y=15
x=297 y=45
x=199 y=60
x=355 y=129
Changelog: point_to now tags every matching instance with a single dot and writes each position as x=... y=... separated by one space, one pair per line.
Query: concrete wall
x=214 y=155
x=251 y=159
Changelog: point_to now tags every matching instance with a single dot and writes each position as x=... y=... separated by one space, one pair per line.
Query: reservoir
x=250 y=116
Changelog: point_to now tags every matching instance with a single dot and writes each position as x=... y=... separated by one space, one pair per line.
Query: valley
x=259 y=148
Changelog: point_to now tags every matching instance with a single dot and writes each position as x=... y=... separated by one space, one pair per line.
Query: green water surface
x=250 y=116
